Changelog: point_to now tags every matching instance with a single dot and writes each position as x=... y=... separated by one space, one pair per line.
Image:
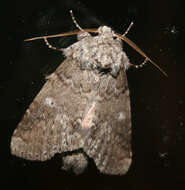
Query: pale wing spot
x=88 y=119
x=50 y=102
x=121 y=116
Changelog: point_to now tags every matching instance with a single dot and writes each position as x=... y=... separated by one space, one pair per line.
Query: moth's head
x=103 y=31
x=106 y=32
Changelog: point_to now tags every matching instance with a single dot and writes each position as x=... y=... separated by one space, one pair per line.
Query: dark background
x=157 y=102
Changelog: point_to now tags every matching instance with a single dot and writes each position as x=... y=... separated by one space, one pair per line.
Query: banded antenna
x=92 y=30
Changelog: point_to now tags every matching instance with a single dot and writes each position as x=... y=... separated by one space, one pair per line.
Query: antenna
x=130 y=26
x=75 y=22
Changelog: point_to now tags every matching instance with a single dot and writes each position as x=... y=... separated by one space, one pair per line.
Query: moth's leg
x=50 y=46
x=130 y=26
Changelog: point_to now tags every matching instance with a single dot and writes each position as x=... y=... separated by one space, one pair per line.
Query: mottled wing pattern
x=109 y=140
x=50 y=124
x=78 y=109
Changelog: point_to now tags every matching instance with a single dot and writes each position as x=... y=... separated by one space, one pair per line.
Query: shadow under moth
x=83 y=110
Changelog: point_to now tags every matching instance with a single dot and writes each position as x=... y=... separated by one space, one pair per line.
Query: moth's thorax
x=100 y=52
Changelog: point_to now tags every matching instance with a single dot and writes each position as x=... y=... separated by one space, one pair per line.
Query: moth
x=83 y=110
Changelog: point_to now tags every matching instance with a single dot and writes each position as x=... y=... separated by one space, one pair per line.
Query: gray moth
x=83 y=110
